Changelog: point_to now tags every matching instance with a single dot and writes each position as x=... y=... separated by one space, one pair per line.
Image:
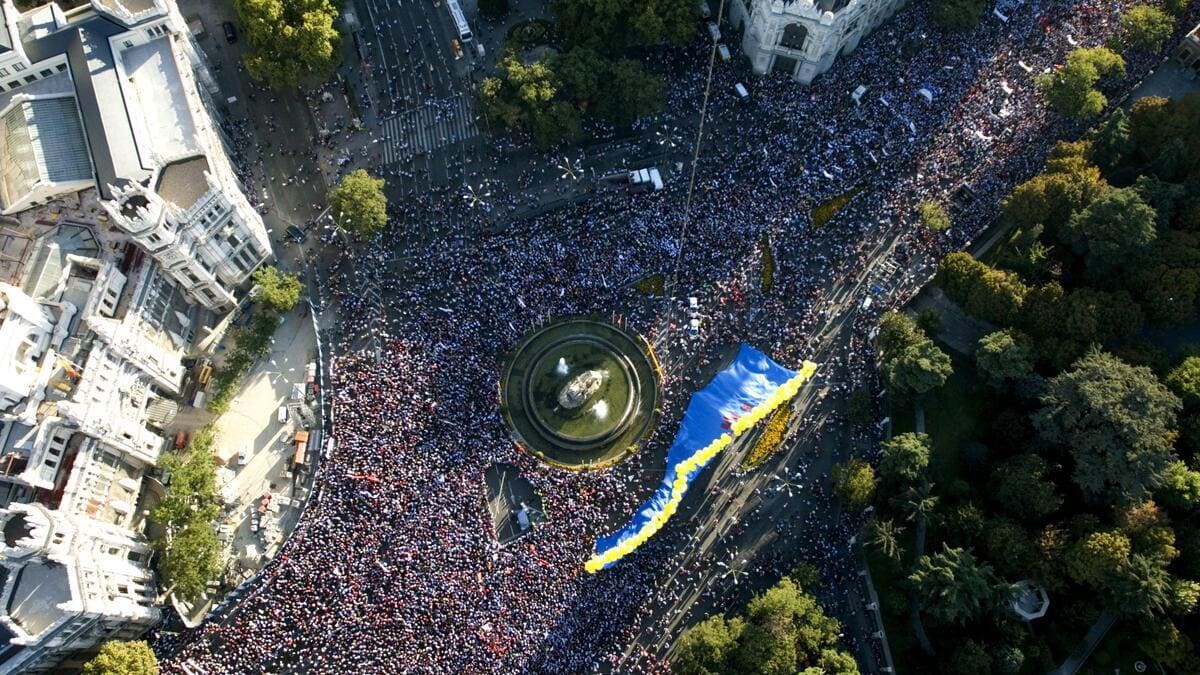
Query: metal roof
x=43 y=141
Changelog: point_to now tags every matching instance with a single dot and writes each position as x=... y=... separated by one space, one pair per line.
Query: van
x=742 y=93
x=714 y=30
x=645 y=180
x=723 y=52
x=705 y=10
x=282 y=414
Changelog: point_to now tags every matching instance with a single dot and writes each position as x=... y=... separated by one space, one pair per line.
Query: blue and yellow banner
x=736 y=399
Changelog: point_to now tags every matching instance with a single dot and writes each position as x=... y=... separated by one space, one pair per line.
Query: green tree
x=1068 y=185
x=1022 y=489
x=785 y=629
x=612 y=27
x=859 y=408
x=854 y=483
x=581 y=74
x=1008 y=546
x=956 y=15
x=970 y=657
x=897 y=331
x=705 y=649
x=1147 y=27
x=1184 y=380
x=1177 y=7
x=982 y=291
x=918 y=369
x=1115 y=227
x=1116 y=419
x=1184 y=596
x=1004 y=356
x=884 y=535
x=1111 y=142
x=1181 y=486
x=1071 y=89
x=557 y=123
x=191 y=560
x=278 y=291
x=1164 y=642
x=358 y=203
x=905 y=458
x=119 y=657
x=835 y=662
x=934 y=215
x=289 y=40
x=952 y=587
x=1052 y=549
x=629 y=92
x=493 y=9
x=1139 y=587
x=1097 y=555
x=192 y=491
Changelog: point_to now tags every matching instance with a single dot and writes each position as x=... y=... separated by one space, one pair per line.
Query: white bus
x=460 y=21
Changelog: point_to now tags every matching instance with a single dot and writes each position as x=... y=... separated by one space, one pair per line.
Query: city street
x=394 y=561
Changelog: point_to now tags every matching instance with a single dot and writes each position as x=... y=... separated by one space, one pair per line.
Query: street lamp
x=570 y=168
x=475 y=199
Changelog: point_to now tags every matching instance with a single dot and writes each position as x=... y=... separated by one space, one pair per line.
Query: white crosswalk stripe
x=427 y=128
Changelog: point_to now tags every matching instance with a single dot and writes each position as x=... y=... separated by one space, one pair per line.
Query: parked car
x=230 y=32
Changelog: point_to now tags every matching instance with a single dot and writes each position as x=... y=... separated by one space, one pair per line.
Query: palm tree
x=884 y=534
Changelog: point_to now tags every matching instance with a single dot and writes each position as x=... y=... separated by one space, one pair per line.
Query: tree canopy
x=279 y=291
x=1071 y=89
x=1004 y=356
x=934 y=215
x=1023 y=489
x=612 y=26
x=784 y=631
x=119 y=657
x=952 y=587
x=358 y=203
x=1147 y=27
x=191 y=550
x=289 y=40
x=905 y=458
x=1116 y=226
x=854 y=483
x=1116 y=419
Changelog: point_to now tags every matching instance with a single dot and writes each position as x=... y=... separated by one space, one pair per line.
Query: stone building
x=124 y=235
x=1188 y=52
x=804 y=37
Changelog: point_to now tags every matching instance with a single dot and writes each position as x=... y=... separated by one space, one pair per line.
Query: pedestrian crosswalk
x=432 y=126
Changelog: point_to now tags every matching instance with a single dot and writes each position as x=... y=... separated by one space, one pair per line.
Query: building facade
x=124 y=235
x=804 y=37
x=1188 y=52
x=112 y=95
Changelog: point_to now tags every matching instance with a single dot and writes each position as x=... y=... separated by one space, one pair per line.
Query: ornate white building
x=804 y=37
x=140 y=236
x=112 y=95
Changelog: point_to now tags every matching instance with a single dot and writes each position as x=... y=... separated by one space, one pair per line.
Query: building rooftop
x=182 y=182
x=164 y=123
x=42 y=140
x=40 y=587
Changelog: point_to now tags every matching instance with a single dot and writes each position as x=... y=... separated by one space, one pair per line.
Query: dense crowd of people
x=394 y=565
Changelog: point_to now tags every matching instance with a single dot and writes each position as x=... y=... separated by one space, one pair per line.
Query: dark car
x=296 y=234
x=230 y=32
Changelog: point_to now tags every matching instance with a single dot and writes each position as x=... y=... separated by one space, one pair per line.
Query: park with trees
x=783 y=631
x=1064 y=449
x=558 y=80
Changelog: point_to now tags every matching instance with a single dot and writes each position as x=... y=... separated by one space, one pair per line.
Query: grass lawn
x=951 y=419
x=889 y=584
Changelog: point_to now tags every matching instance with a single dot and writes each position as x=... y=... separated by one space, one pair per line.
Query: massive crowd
x=394 y=566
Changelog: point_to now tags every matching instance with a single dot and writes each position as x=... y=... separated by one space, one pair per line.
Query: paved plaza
x=408 y=552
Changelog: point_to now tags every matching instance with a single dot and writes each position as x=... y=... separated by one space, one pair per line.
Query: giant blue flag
x=737 y=398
